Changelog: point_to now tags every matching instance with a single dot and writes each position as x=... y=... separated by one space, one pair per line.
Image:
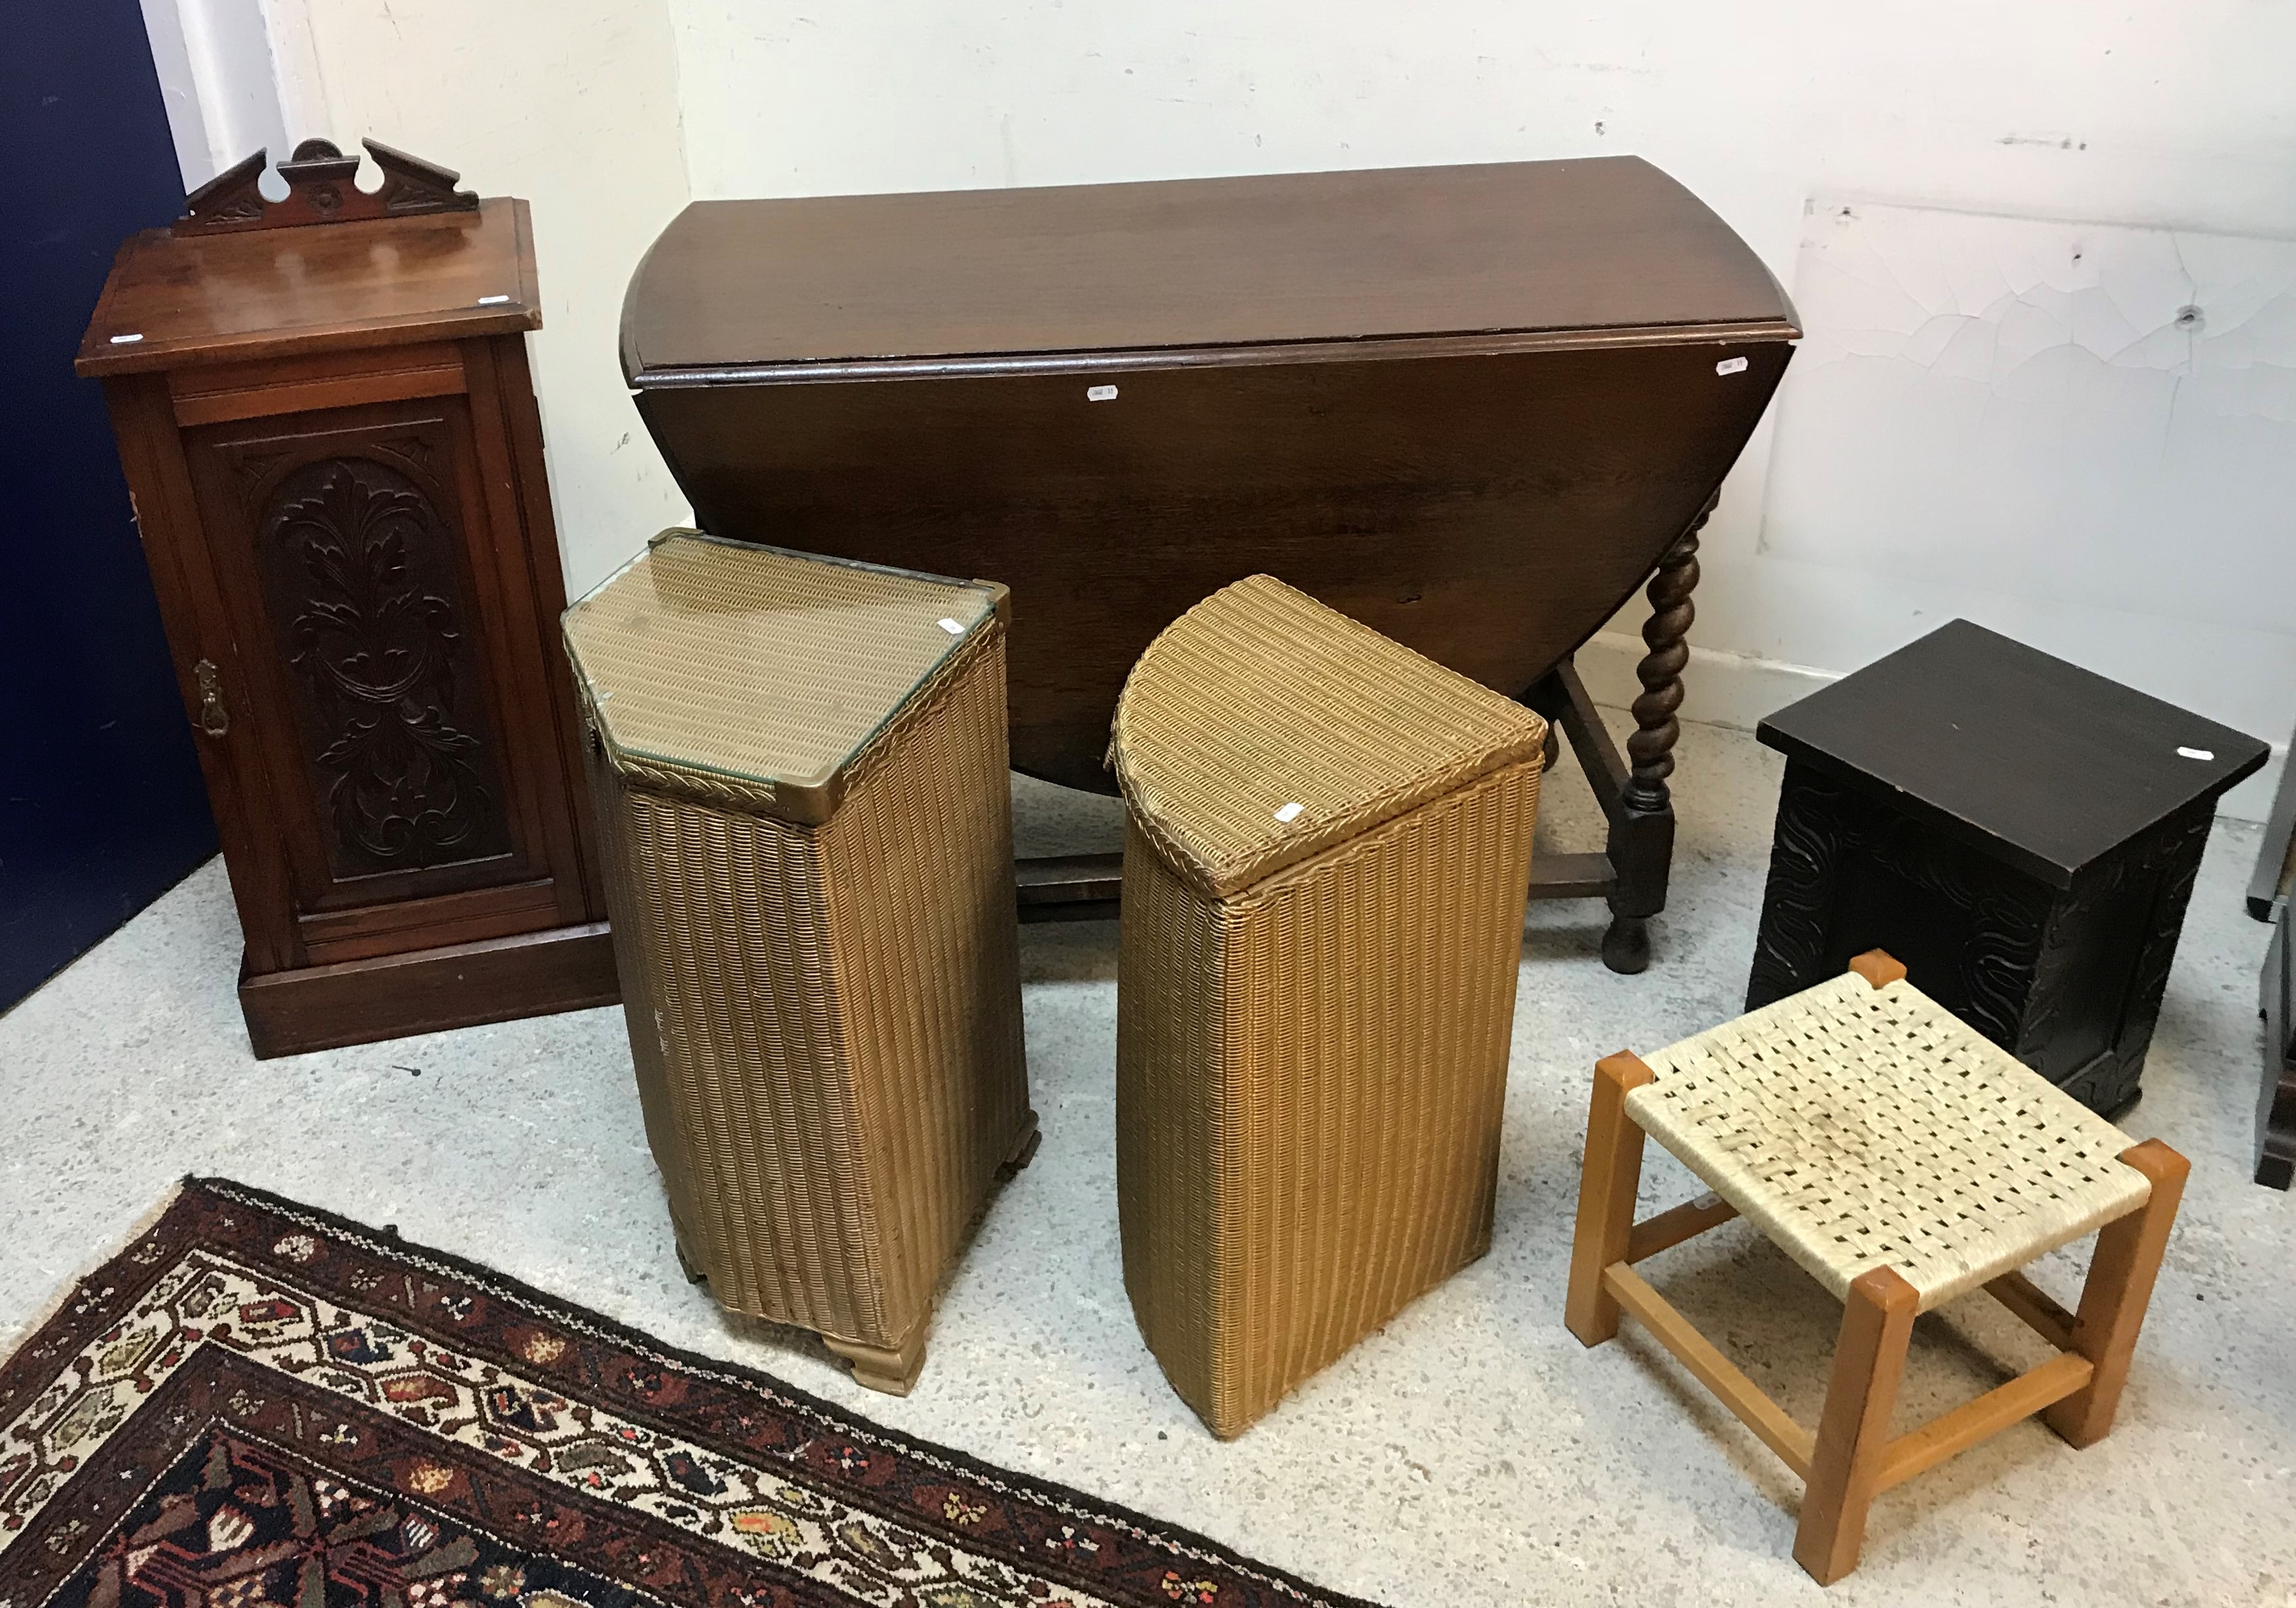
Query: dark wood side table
x=2275 y=1097
x=2022 y=834
x=2269 y=901
x=2276 y=988
x=1474 y=407
x=324 y=413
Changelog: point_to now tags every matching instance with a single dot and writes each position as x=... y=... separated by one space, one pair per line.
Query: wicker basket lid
x=1262 y=727
x=754 y=676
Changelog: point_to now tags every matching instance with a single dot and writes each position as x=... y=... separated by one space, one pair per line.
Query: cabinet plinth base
x=428 y=991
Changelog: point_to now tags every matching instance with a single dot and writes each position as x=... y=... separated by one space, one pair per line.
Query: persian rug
x=258 y=1403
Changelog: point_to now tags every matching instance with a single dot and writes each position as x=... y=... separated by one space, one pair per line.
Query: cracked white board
x=2082 y=415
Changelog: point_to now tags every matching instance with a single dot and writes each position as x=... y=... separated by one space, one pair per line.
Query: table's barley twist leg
x=1642 y=839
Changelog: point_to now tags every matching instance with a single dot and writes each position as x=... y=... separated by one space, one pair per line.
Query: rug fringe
x=143 y=1224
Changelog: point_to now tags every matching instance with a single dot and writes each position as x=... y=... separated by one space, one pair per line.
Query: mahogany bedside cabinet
x=325 y=413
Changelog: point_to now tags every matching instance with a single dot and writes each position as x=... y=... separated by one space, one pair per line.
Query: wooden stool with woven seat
x=1902 y=1160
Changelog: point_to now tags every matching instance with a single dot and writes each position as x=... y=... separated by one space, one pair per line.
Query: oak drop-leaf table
x=1473 y=407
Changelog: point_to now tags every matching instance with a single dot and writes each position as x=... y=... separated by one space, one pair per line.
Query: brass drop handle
x=214 y=719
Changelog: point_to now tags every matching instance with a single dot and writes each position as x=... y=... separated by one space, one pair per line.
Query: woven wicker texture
x=1260 y=699
x=745 y=662
x=1310 y=1074
x=826 y=1021
x=1861 y=1127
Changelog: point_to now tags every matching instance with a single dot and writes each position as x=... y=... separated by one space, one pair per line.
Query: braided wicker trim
x=753 y=678
x=1262 y=727
x=806 y=806
x=743 y=798
x=925 y=703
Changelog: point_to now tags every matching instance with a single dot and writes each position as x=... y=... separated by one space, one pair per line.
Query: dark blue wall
x=101 y=806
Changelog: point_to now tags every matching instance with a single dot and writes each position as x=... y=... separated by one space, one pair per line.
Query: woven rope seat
x=1862 y=1128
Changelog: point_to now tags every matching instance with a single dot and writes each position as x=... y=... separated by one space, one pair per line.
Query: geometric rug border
x=1273 y=1586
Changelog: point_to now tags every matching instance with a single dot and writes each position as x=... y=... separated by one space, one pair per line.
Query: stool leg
x=1607 y=1181
x=1869 y=1360
x=2120 y=1288
x=1878 y=967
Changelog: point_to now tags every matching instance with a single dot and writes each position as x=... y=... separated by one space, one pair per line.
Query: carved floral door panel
x=378 y=715
x=361 y=585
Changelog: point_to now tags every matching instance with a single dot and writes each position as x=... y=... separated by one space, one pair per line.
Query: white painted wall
x=163 y=23
x=218 y=78
x=570 y=104
x=2089 y=431
x=573 y=105
x=607 y=112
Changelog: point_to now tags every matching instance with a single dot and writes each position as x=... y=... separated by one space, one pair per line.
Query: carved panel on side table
x=2069 y=981
x=1970 y=935
x=360 y=582
x=2081 y=1030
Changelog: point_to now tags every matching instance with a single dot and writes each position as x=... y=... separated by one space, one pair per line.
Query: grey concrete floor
x=1471 y=1452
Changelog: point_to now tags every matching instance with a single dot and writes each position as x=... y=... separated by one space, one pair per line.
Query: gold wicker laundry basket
x=1324 y=873
x=799 y=769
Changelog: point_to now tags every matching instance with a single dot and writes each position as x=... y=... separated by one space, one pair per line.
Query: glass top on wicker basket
x=757 y=664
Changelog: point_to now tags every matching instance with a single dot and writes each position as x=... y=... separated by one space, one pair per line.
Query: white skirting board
x=1737 y=690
